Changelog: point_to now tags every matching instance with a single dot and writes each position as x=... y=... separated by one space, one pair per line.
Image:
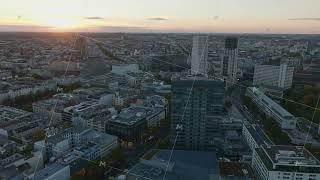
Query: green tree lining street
x=270 y=126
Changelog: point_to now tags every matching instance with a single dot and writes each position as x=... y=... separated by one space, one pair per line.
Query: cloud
x=94 y=18
x=304 y=19
x=158 y=19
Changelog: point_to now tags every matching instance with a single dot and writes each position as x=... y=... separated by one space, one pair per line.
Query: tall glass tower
x=196 y=113
x=199 y=56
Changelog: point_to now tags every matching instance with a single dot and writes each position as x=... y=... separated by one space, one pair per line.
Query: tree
x=118 y=155
x=309 y=99
x=27 y=151
x=38 y=135
x=227 y=104
x=163 y=143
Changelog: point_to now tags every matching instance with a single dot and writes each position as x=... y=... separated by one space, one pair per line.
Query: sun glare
x=58 y=14
x=59 y=23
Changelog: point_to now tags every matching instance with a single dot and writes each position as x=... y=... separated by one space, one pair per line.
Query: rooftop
x=130 y=115
x=59 y=101
x=290 y=155
x=48 y=171
x=82 y=106
x=187 y=165
x=10 y=113
x=270 y=103
x=288 y=159
x=98 y=137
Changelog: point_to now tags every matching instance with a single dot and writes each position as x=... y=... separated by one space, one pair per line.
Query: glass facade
x=198 y=109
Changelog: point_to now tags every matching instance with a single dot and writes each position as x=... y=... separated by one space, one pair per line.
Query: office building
x=158 y=109
x=272 y=109
x=10 y=114
x=87 y=108
x=285 y=163
x=196 y=119
x=88 y=143
x=230 y=60
x=128 y=125
x=81 y=45
x=19 y=123
x=199 y=57
x=53 y=107
x=273 y=76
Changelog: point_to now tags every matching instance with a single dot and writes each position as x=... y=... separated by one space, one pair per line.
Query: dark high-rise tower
x=231 y=43
x=196 y=115
x=230 y=60
x=81 y=46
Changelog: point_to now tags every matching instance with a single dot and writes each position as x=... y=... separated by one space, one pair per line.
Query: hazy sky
x=243 y=16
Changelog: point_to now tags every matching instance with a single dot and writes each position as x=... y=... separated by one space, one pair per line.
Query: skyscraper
x=230 y=60
x=197 y=110
x=199 y=57
x=81 y=46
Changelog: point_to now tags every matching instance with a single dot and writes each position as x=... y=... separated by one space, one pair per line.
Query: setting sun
x=59 y=23
x=59 y=14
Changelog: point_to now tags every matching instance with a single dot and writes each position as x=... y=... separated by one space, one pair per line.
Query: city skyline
x=205 y=16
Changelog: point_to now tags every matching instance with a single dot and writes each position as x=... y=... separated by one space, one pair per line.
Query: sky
x=203 y=16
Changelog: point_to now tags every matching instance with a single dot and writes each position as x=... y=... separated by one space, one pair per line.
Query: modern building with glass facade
x=196 y=112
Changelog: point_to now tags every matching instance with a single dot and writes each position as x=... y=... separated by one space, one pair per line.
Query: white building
x=84 y=140
x=118 y=101
x=272 y=109
x=199 y=57
x=285 y=163
x=273 y=76
x=230 y=60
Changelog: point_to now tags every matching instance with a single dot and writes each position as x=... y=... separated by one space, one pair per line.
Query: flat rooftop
x=288 y=159
x=130 y=116
x=282 y=154
x=187 y=165
x=49 y=171
x=272 y=104
x=84 y=106
x=9 y=113
x=99 y=137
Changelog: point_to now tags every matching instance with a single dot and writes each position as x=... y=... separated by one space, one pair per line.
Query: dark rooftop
x=187 y=165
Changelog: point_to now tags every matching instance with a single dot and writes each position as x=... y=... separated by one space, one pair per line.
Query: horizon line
x=153 y=32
